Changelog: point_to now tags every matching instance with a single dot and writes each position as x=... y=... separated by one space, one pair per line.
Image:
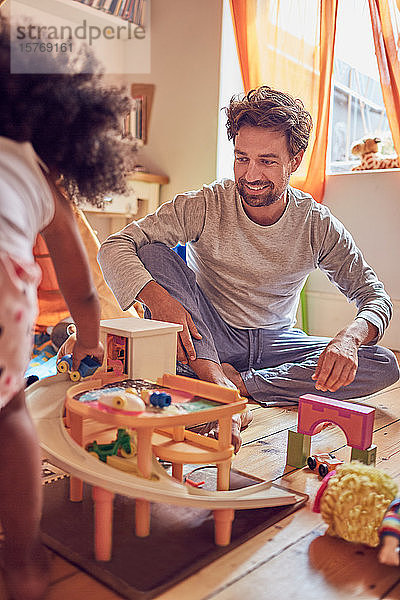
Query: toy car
x=323 y=462
x=121 y=446
x=88 y=366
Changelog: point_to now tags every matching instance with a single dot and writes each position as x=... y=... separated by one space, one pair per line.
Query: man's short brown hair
x=279 y=111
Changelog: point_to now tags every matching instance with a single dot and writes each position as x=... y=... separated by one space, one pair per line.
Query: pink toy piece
x=115 y=365
x=321 y=490
x=117 y=347
x=177 y=396
x=355 y=420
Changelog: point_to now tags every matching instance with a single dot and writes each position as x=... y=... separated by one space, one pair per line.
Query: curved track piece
x=45 y=400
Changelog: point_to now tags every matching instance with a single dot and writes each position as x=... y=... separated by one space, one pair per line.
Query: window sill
x=367 y=171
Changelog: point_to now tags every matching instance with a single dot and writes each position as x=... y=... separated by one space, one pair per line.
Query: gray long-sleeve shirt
x=252 y=274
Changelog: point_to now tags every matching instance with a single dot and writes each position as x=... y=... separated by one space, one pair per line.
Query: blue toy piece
x=160 y=399
x=88 y=366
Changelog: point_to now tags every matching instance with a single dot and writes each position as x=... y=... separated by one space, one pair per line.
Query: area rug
x=180 y=542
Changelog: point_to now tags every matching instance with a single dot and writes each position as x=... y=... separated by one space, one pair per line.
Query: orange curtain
x=289 y=45
x=241 y=26
x=385 y=28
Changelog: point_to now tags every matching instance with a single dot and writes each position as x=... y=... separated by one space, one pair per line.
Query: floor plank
x=60 y=568
x=80 y=586
x=226 y=571
x=328 y=569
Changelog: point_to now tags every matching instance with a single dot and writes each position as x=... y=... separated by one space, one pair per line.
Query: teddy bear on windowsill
x=370 y=157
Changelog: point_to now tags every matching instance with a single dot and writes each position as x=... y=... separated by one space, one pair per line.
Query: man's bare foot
x=235 y=377
x=207 y=370
x=239 y=422
x=28 y=579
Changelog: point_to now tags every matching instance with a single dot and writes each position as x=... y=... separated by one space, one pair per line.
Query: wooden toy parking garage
x=149 y=350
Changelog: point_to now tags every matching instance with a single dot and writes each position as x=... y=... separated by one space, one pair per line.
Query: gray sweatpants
x=275 y=365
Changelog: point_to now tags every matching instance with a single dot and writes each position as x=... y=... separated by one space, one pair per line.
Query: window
x=358 y=110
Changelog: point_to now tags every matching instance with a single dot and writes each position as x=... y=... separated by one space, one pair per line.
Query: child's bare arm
x=74 y=278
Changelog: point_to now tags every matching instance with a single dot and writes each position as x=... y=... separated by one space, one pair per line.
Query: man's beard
x=268 y=197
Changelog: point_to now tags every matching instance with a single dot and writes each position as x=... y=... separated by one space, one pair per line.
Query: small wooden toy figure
x=358 y=503
x=389 y=534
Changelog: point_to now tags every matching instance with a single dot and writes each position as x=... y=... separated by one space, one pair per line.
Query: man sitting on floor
x=251 y=243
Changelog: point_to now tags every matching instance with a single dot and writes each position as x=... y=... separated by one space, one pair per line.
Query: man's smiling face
x=263 y=165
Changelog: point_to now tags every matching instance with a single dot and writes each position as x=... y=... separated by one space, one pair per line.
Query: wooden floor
x=293 y=559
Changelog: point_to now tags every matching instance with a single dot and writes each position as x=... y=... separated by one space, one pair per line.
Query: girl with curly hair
x=52 y=127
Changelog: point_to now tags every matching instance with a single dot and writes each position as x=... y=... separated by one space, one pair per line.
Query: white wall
x=368 y=204
x=185 y=62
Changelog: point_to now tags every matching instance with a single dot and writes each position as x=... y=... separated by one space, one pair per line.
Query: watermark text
x=85 y=31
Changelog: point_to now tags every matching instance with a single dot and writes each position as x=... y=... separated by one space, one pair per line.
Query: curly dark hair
x=72 y=120
x=265 y=107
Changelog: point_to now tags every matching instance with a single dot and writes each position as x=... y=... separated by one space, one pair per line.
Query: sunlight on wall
x=230 y=84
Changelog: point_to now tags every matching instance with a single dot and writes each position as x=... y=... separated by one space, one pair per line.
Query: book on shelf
x=144 y=119
x=139 y=117
x=134 y=123
x=142 y=101
x=130 y=10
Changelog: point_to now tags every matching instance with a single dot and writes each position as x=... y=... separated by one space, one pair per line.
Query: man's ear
x=296 y=160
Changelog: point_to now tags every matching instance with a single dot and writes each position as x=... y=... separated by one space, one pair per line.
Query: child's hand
x=79 y=352
x=68 y=346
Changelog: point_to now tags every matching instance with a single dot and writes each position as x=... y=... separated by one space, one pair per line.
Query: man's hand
x=338 y=363
x=164 y=307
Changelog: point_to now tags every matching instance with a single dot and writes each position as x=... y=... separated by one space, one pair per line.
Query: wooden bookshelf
x=143 y=197
x=148 y=177
x=142 y=95
x=75 y=12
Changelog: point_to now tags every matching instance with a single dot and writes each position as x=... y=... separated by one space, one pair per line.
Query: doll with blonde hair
x=353 y=501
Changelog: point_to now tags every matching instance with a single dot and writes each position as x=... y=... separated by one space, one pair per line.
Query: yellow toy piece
x=119 y=401
x=145 y=395
x=129 y=465
x=131 y=454
x=62 y=367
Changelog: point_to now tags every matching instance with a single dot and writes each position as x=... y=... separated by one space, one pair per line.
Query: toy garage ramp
x=45 y=400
